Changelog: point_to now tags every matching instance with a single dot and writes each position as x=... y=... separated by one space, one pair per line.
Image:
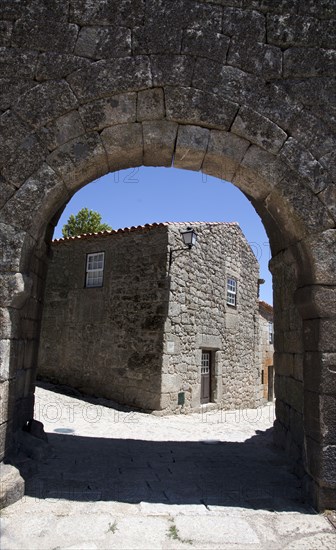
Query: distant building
x=266 y=349
x=137 y=317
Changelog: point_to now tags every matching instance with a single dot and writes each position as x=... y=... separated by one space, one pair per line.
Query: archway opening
x=267 y=495
x=258 y=174
x=153 y=296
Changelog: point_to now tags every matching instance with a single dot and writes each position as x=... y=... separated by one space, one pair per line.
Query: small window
x=231 y=294
x=94 y=270
x=205 y=362
x=270 y=332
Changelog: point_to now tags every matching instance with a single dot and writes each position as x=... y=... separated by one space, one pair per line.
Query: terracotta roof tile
x=266 y=306
x=147 y=226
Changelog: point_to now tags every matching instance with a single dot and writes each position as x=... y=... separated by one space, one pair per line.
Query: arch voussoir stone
x=79 y=160
x=102 y=113
x=45 y=102
x=259 y=130
x=224 y=154
x=301 y=211
x=25 y=161
x=15 y=245
x=151 y=104
x=124 y=145
x=203 y=108
x=13 y=131
x=242 y=90
x=318 y=251
x=159 y=139
x=191 y=146
x=259 y=172
x=29 y=208
x=225 y=81
x=61 y=130
x=265 y=59
x=307 y=130
x=298 y=158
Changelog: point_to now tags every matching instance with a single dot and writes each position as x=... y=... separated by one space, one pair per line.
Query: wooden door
x=205 y=376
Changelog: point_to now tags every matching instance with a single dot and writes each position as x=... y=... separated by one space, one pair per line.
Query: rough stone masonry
x=138 y=334
x=240 y=89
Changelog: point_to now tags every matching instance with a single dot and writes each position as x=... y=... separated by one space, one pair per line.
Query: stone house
x=136 y=316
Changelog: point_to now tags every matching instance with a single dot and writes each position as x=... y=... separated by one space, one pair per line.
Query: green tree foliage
x=86 y=221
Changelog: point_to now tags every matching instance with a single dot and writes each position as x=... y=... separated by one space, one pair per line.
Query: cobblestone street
x=123 y=479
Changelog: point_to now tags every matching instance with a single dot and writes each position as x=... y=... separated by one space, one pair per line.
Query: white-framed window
x=231 y=291
x=94 y=269
x=270 y=332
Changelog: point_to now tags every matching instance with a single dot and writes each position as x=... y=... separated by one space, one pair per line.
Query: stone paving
x=115 y=478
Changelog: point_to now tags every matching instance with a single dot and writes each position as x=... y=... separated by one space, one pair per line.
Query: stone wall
x=199 y=318
x=240 y=89
x=288 y=357
x=107 y=341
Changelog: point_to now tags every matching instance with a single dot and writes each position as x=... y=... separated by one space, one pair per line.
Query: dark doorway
x=205 y=376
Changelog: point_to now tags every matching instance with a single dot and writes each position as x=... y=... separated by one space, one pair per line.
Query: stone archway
x=243 y=93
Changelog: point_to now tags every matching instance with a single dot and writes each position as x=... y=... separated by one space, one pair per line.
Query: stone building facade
x=135 y=316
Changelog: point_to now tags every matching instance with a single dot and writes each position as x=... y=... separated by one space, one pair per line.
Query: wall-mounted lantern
x=260 y=282
x=189 y=237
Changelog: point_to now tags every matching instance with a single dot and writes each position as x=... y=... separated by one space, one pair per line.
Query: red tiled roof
x=266 y=306
x=147 y=226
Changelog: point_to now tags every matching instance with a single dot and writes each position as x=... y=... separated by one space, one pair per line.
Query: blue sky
x=146 y=195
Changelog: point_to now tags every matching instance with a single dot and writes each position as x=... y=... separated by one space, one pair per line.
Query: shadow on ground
x=63 y=389
x=250 y=474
